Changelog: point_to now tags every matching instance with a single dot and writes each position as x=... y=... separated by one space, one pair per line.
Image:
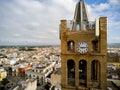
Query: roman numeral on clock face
x=82 y=47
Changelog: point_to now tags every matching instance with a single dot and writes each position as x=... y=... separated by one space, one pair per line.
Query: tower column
x=88 y=73
x=77 y=74
x=103 y=79
x=64 y=71
x=98 y=71
x=103 y=50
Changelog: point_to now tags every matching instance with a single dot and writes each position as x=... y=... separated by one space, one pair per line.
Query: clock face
x=82 y=47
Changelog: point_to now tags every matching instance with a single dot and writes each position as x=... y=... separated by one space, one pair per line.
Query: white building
x=56 y=80
x=35 y=73
x=29 y=84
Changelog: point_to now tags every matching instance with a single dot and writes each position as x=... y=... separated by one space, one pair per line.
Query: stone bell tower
x=83 y=51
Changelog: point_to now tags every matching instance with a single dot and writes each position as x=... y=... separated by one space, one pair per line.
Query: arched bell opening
x=95 y=46
x=95 y=72
x=82 y=72
x=70 y=46
x=71 y=72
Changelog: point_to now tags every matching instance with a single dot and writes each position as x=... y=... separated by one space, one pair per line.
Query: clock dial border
x=82 y=47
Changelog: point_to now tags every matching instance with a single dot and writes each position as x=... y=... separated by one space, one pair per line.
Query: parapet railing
x=76 y=26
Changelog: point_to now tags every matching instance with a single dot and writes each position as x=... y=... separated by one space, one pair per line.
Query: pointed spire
x=80 y=15
x=80 y=0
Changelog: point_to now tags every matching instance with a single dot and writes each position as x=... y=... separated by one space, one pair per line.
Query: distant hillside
x=31 y=46
x=113 y=44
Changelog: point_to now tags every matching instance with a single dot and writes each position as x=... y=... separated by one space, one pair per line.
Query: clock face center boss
x=82 y=47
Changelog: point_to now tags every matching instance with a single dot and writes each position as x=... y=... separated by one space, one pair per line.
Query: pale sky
x=36 y=22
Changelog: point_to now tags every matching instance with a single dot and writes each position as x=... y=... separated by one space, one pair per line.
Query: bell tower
x=83 y=51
